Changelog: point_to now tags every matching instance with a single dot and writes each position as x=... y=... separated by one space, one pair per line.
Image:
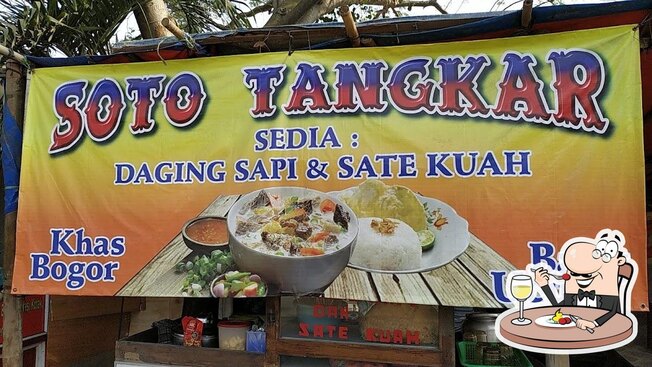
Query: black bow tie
x=581 y=294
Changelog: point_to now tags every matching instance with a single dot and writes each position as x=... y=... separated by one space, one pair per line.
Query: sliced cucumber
x=235 y=275
x=427 y=239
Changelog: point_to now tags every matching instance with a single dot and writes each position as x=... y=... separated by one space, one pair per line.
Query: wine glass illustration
x=521 y=287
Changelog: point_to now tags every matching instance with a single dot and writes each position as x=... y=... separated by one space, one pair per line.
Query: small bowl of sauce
x=205 y=234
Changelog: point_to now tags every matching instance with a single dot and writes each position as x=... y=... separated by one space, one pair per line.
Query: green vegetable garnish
x=201 y=270
x=261 y=289
x=237 y=285
x=235 y=275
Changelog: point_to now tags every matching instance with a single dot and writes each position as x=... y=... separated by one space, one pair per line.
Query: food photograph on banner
x=498 y=173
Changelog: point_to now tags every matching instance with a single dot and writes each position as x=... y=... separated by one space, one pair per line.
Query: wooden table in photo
x=464 y=281
x=616 y=330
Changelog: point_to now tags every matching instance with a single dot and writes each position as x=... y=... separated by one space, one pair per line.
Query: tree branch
x=382 y=12
x=422 y=4
x=258 y=9
x=309 y=11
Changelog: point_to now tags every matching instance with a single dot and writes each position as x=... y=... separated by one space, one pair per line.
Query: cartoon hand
x=584 y=324
x=541 y=277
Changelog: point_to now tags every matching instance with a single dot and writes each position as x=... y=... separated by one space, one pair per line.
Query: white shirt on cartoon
x=586 y=301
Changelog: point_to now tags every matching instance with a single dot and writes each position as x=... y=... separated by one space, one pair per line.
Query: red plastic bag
x=192 y=331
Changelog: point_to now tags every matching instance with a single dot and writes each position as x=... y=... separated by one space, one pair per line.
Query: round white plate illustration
x=451 y=241
x=547 y=322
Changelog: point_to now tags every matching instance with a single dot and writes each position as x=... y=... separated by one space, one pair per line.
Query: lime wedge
x=427 y=239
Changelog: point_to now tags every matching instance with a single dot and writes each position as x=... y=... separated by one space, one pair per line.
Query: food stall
x=322 y=204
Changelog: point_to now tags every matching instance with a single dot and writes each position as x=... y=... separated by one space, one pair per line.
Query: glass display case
x=346 y=332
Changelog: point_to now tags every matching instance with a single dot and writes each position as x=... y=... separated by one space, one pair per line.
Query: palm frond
x=75 y=27
x=86 y=27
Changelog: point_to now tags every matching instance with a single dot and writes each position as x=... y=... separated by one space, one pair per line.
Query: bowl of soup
x=295 y=238
x=205 y=234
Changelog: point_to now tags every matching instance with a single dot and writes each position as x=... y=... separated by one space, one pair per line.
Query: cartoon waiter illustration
x=592 y=279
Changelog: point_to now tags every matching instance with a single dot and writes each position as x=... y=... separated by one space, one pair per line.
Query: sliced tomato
x=327 y=205
x=251 y=290
x=311 y=251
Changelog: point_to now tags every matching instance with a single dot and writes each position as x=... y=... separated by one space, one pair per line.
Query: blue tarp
x=12 y=141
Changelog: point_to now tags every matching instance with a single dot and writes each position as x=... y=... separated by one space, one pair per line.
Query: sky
x=451 y=6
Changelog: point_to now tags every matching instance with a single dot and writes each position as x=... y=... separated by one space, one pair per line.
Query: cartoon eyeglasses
x=605 y=250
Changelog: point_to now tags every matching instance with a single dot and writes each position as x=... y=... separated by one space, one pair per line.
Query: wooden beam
x=12 y=331
x=369 y=352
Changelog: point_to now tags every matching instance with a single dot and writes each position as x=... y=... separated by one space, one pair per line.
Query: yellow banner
x=460 y=161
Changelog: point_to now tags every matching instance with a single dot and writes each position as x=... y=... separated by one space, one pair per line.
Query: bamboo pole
x=349 y=25
x=171 y=26
x=12 y=331
x=12 y=54
x=526 y=13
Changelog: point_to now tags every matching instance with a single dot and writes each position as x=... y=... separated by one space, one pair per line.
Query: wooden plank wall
x=82 y=331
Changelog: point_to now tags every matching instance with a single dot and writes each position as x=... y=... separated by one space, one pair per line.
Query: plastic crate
x=468 y=358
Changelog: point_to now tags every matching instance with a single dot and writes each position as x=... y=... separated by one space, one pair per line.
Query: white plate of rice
x=450 y=242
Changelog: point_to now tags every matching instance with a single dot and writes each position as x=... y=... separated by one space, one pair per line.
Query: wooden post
x=349 y=25
x=273 y=330
x=557 y=360
x=526 y=14
x=447 y=335
x=12 y=332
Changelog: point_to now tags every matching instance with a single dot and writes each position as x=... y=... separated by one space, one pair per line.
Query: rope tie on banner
x=308 y=35
x=290 y=45
x=158 y=51
x=398 y=40
x=646 y=21
x=182 y=36
x=190 y=42
x=646 y=24
x=263 y=43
